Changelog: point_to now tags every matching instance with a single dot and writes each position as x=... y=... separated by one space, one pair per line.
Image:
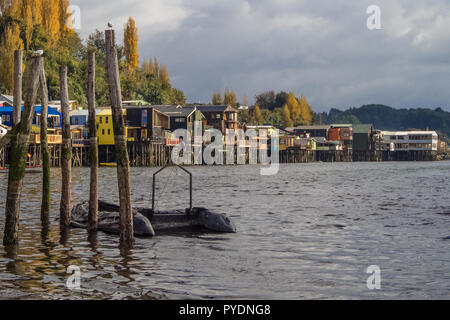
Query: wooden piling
x=45 y=203
x=123 y=177
x=93 y=147
x=17 y=105
x=66 y=152
x=19 y=148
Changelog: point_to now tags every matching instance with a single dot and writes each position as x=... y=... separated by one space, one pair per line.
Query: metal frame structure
x=154 y=185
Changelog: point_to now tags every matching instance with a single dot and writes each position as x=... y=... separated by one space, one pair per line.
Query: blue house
x=79 y=117
x=54 y=117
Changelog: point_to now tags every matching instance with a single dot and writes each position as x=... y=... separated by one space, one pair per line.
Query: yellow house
x=105 y=132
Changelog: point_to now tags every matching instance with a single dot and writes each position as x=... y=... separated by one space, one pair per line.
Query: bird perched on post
x=110 y=25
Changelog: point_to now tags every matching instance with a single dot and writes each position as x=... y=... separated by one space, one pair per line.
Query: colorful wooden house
x=222 y=118
x=105 y=131
x=54 y=117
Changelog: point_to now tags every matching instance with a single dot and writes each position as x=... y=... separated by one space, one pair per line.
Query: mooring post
x=18 y=155
x=45 y=203
x=120 y=139
x=66 y=152
x=17 y=105
x=93 y=148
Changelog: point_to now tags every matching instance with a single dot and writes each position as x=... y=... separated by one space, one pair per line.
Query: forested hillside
x=387 y=118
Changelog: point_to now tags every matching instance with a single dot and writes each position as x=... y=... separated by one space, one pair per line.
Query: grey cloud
x=319 y=48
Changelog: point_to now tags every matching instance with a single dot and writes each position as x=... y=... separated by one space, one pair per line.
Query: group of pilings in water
x=147 y=154
x=18 y=142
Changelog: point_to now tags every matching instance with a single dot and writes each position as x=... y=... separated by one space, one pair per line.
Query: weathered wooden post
x=17 y=105
x=18 y=155
x=93 y=146
x=66 y=152
x=45 y=203
x=123 y=177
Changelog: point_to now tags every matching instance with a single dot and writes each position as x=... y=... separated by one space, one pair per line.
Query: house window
x=103 y=131
x=8 y=118
x=106 y=119
x=76 y=120
x=218 y=116
x=109 y=132
x=180 y=120
x=101 y=120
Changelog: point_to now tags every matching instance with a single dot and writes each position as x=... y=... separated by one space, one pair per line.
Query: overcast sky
x=319 y=48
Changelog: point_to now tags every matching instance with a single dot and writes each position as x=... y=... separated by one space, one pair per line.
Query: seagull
x=110 y=25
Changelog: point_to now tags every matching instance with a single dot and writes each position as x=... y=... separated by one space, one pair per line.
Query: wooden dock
x=150 y=154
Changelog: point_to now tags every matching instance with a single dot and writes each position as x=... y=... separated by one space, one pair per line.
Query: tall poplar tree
x=130 y=40
x=306 y=113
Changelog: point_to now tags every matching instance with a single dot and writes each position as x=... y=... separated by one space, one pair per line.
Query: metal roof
x=51 y=111
x=318 y=127
x=175 y=111
x=220 y=108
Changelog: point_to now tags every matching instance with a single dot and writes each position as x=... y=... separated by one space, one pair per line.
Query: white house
x=408 y=140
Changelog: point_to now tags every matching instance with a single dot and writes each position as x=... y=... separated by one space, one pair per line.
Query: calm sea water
x=309 y=232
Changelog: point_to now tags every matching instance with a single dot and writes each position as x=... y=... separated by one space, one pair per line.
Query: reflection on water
x=309 y=232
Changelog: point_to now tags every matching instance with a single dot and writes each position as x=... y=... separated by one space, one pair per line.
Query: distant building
x=54 y=117
x=105 y=132
x=222 y=118
x=313 y=131
x=157 y=122
x=342 y=132
x=79 y=117
x=363 y=138
x=56 y=104
x=407 y=141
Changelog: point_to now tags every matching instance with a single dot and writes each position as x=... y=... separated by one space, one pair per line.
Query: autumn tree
x=229 y=98
x=257 y=116
x=294 y=108
x=217 y=98
x=10 y=42
x=130 y=40
x=164 y=76
x=286 y=117
x=306 y=113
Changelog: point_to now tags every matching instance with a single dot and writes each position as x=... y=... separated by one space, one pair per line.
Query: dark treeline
x=387 y=118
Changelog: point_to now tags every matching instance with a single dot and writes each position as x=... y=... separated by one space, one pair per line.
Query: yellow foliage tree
x=9 y=44
x=286 y=117
x=294 y=108
x=130 y=40
x=257 y=115
x=164 y=76
x=217 y=98
x=229 y=98
x=306 y=114
x=51 y=18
